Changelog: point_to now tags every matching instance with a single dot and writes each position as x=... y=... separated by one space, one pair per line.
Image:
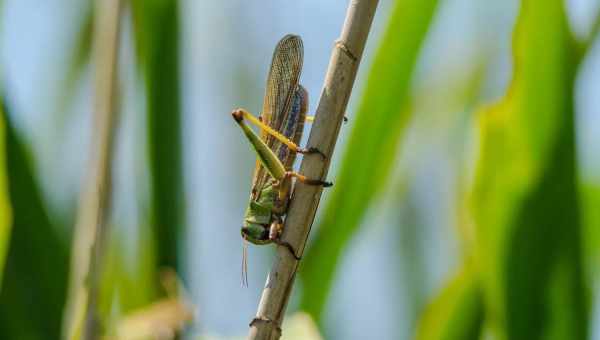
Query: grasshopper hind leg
x=240 y=115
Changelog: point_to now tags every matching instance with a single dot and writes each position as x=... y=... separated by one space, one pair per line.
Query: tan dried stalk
x=81 y=319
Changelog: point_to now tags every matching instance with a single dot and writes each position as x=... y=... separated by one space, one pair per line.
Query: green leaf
x=457 y=313
x=410 y=250
x=367 y=162
x=35 y=276
x=136 y=282
x=525 y=196
x=5 y=208
x=593 y=36
x=129 y=278
x=79 y=56
x=157 y=37
x=590 y=194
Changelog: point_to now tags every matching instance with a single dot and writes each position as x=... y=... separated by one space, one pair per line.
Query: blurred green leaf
x=591 y=216
x=157 y=37
x=35 y=276
x=410 y=251
x=594 y=32
x=83 y=43
x=525 y=196
x=137 y=284
x=457 y=313
x=5 y=208
x=112 y=274
x=129 y=281
x=371 y=148
x=78 y=58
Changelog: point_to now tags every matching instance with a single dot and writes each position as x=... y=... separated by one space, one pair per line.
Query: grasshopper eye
x=245 y=231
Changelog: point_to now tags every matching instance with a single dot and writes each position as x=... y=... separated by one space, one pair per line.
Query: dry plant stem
x=91 y=227
x=330 y=114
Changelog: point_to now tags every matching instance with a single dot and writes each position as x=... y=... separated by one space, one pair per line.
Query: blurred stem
x=337 y=88
x=91 y=228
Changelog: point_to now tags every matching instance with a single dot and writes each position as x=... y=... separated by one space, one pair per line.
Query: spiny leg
x=306 y=180
x=240 y=114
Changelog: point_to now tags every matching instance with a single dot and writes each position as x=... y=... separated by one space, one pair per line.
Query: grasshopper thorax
x=259 y=215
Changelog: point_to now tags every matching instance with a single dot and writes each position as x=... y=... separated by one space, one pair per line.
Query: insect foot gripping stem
x=289 y=247
x=325 y=184
x=312 y=150
x=260 y=319
x=308 y=181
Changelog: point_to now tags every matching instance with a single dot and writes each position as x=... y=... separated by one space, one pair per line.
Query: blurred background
x=466 y=202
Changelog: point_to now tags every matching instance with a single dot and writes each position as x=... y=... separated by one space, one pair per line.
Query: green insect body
x=272 y=179
x=259 y=216
x=281 y=123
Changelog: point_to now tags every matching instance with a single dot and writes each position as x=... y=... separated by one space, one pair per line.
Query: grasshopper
x=281 y=123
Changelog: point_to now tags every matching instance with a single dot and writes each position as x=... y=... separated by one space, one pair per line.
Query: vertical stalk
x=91 y=227
x=337 y=87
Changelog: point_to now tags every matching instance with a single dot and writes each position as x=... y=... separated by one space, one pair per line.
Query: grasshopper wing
x=282 y=84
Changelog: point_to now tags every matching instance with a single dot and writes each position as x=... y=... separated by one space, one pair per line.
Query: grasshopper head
x=255 y=233
x=255 y=228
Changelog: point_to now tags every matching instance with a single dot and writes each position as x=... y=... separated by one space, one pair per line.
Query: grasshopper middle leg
x=306 y=180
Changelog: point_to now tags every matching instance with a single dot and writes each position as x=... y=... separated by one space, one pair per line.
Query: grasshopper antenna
x=245 y=263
